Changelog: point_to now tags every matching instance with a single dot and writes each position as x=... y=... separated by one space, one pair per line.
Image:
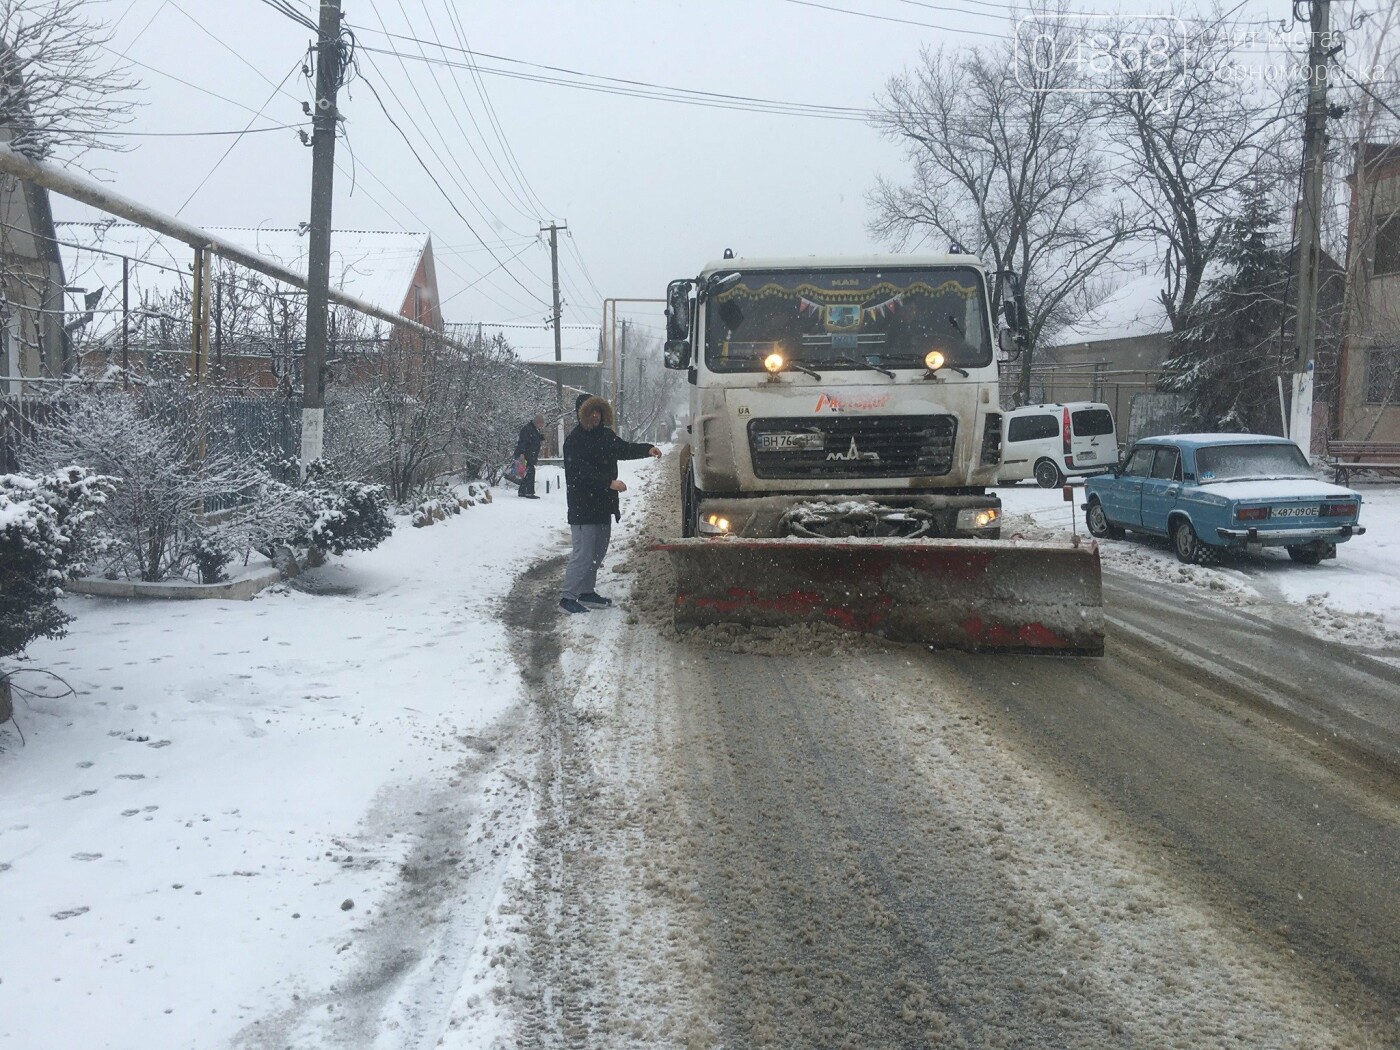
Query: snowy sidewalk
x=214 y=829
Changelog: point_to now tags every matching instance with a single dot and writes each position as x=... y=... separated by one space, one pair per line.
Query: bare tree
x=1194 y=131
x=650 y=392
x=1006 y=163
x=60 y=92
x=412 y=409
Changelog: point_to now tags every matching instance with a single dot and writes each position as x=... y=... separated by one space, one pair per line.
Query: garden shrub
x=42 y=533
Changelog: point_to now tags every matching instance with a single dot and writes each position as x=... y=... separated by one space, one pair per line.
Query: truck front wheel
x=690 y=505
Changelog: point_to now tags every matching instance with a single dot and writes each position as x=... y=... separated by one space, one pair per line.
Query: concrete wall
x=1110 y=371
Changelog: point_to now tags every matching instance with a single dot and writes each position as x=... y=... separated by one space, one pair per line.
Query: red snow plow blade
x=978 y=595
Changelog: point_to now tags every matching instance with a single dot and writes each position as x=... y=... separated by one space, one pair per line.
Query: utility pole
x=1310 y=222
x=622 y=375
x=554 y=229
x=324 y=120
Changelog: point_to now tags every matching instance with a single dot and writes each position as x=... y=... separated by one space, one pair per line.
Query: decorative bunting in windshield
x=886 y=306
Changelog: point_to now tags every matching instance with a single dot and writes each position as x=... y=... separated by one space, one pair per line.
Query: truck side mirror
x=677 y=353
x=1007 y=342
x=677 y=312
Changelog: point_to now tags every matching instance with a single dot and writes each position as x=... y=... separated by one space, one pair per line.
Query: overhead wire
x=503 y=139
x=505 y=187
x=239 y=105
x=477 y=203
x=233 y=145
x=902 y=21
x=492 y=117
x=636 y=88
x=441 y=189
x=283 y=7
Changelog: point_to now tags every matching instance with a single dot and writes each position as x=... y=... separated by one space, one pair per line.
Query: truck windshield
x=849 y=319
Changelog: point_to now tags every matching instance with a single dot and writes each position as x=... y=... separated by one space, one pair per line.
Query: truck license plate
x=1305 y=511
x=784 y=442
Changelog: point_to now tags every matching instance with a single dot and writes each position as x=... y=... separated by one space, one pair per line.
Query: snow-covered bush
x=170 y=469
x=437 y=503
x=325 y=513
x=42 y=525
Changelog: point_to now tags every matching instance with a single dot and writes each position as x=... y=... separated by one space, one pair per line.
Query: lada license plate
x=1307 y=510
x=783 y=442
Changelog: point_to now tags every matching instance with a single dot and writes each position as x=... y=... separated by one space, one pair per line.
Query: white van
x=1052 y=442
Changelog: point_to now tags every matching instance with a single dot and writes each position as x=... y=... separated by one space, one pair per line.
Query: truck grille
x=853 y=446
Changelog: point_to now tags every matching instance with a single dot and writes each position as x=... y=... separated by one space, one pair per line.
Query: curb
x=241 y=589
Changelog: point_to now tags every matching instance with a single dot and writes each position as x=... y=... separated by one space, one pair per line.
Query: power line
x=902 y=21
x=446 y=196
x=505 y=188
x=624 y=86
x=232 y=145
x=285 y=8
x=478 y=204
x=249 y=109
x=186 y=134
x=502 y=138
x=491 y=115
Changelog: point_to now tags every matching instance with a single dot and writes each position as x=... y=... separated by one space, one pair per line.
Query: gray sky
x=649 y=189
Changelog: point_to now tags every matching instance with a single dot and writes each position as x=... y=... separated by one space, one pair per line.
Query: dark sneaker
x=593 y=598
x=572 y=605
x=531 y=495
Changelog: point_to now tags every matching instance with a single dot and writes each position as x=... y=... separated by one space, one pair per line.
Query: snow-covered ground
x=254 y=813
x=1353 y=598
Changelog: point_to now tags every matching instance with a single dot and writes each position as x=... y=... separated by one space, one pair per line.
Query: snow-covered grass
x=1354 y=597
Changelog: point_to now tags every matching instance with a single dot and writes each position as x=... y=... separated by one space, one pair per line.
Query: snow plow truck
x=844 y=436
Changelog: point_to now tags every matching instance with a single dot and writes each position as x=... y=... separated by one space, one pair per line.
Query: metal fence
x=266 y=429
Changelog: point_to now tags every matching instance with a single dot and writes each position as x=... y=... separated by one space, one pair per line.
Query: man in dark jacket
x=528 y=445
x=591 y=452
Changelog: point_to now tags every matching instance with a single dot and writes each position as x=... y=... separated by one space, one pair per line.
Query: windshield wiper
x=957 y=328
x=790 y=363
x=864 y=364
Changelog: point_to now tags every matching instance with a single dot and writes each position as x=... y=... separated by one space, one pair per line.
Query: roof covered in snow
x=376 y=266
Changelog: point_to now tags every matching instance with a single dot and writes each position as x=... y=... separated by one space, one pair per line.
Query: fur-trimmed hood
x=600 y=403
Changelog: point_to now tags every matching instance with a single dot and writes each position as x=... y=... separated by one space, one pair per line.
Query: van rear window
x=1033 y=428
x=1090 y=422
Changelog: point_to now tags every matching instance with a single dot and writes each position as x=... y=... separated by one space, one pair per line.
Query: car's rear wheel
x=1188 y=545
x=1305 y=554
x=1047 y=475
x=1099 y=525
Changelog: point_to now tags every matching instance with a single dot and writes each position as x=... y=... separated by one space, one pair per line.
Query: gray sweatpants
x=590 y=545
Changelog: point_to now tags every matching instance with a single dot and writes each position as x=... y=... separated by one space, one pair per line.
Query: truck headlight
x=978 y=518
x=774 y=363
x=717 y=521
x=934 y=360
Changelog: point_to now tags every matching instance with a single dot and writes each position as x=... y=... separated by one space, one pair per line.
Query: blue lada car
x=1209 y=493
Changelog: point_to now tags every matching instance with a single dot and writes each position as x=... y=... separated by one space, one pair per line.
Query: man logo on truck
x=853 y=453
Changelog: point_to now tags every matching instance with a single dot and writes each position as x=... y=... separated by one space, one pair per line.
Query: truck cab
x=839 y=396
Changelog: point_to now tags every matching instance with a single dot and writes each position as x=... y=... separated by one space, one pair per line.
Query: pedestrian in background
x=591 y=452
x=528 y=446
